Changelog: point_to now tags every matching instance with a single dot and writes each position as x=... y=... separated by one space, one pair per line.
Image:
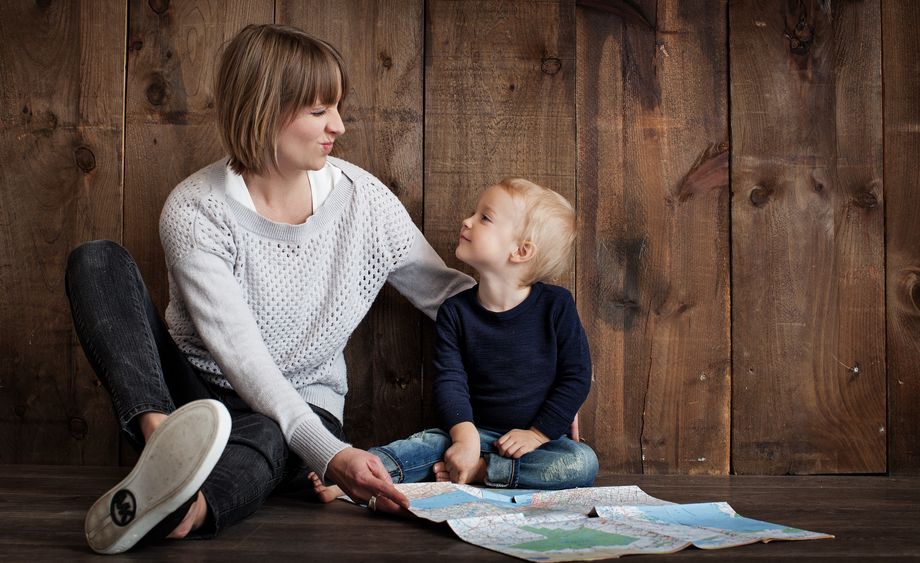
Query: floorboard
x=873 y=518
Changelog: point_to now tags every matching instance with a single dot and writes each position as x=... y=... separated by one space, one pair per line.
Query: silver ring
x=372 y=502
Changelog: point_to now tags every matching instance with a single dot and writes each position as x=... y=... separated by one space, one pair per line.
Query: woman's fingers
x=389 y=492
x=383 y=485
x=386 y=505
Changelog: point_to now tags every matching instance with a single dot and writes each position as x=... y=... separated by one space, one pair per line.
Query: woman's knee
x=96 y=257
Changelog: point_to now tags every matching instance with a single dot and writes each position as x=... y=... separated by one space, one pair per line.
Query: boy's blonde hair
x=548 y=222
x=267 y=74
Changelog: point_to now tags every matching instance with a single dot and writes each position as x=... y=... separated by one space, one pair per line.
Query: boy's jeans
x=557 y=464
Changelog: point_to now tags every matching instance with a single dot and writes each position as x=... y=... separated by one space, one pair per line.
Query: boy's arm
x=452 y=398
x=573 y=375
x=451 y=383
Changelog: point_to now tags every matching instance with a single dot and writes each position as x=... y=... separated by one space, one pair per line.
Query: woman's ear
x=524 y=253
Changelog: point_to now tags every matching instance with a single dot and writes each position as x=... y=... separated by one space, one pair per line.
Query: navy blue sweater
x=528 y=366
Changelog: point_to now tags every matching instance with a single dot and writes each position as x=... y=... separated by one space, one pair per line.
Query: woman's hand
x=362 y=475
x=462 y=461
x=518 y=442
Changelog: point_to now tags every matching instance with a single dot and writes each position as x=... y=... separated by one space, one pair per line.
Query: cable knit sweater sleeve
x=199 y=255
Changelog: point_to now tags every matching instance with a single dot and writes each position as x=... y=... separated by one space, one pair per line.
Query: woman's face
x=306 y=142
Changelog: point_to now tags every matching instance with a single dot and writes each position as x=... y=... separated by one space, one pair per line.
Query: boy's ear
x=524 y=253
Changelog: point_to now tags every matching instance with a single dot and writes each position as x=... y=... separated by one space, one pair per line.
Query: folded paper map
x=587 y=523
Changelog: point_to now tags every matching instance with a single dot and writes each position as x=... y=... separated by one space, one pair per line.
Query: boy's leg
x=410 y=460
x=558 y=464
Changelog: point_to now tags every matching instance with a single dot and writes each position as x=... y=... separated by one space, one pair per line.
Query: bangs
x=317 y=74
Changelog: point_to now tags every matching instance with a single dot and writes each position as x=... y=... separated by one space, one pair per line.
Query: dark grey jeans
x=140 y=366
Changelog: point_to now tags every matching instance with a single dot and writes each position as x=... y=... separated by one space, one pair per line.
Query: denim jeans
x=557 y=464
x=143 y=370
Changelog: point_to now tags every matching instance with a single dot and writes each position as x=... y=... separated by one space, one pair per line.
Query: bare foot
x=442 y=475
x=325 y=494
x=197 y=513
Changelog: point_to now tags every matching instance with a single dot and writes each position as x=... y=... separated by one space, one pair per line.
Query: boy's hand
x=461 y=460
x=518 y=442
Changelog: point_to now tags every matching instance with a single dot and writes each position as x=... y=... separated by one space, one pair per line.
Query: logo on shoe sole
x=123 y=507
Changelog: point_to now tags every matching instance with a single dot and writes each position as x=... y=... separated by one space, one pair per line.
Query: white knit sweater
x=267 y=308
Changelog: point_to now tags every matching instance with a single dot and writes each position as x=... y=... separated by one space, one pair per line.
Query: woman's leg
x=256 y=462
x=146 y=376
x=125 y=341
x=558 y=464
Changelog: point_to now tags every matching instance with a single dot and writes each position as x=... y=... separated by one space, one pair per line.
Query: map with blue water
x=587 y=523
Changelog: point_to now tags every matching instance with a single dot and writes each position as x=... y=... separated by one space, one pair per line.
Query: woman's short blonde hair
x=548 y=222
x=267 y=74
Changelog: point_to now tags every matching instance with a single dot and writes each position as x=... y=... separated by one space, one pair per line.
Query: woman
x=274 y=256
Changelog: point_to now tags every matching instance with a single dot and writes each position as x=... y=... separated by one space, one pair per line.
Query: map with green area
x=579 y=538
x=587 y=523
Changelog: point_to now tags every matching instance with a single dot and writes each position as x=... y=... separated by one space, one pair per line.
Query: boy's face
x=489 y=236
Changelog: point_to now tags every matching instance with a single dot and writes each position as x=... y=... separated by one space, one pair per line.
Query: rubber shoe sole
x=172 y=467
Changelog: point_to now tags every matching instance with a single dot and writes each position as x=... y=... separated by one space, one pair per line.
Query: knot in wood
x=910 y=290
x=156 y=91
x=386 y=60
x=802 y=37
x=77 y=427
x=158 y=6
x=550 y=65
x=760 y=195
x=85 y=159
x=865 y=199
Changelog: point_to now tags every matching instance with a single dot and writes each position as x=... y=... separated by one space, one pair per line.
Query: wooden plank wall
x=653 y=245
x=901 y=64
x=62 y=96
x=807 y=239
x=744 y=241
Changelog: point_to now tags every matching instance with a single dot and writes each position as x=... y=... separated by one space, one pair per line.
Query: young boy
x=512 y=365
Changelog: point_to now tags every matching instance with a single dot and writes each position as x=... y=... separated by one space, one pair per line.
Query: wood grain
x=382 y=44
x=807 y=238
x=900 y=21
x=873 y=519
x=62 y=88
x=653 y=248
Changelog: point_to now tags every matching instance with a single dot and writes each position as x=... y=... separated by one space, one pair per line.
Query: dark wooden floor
x=874 y=518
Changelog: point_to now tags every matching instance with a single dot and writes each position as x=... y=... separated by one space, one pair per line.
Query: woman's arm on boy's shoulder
x=425 y=280
x=573 y=372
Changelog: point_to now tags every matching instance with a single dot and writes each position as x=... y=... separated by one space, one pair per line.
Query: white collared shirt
x=321 y=183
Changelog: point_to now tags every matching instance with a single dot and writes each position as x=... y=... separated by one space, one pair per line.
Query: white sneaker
x=172 y=467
